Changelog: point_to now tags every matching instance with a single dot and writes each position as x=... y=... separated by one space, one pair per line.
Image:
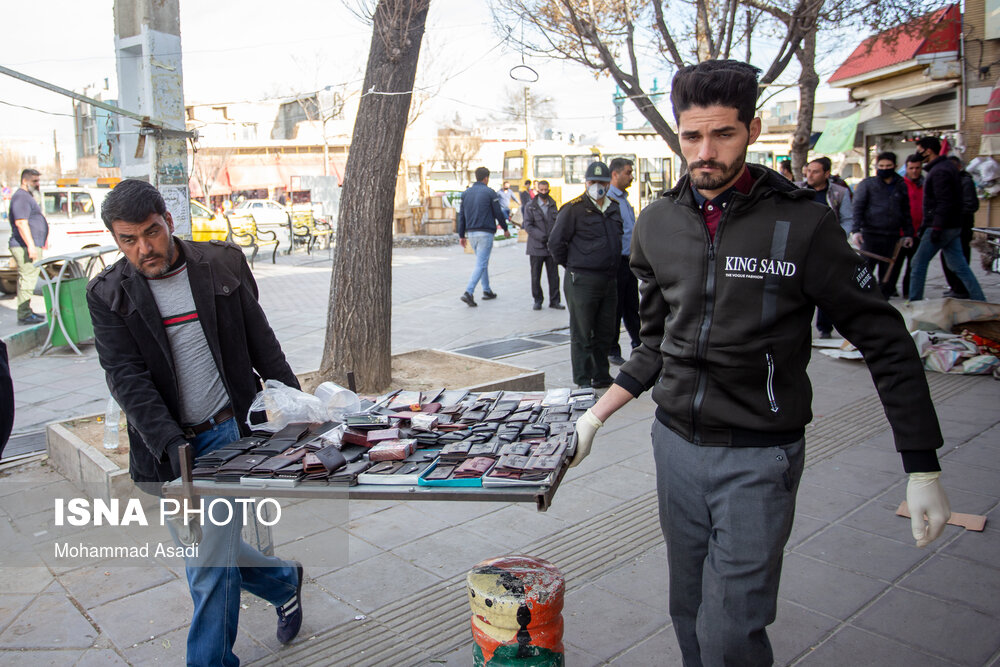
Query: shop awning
x=839 y=134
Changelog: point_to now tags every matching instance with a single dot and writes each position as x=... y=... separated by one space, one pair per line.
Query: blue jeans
x=224 y=564
x=482 y=245
x=951 y=250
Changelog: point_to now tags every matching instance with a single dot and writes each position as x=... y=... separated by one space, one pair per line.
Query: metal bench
x=248 y=236
x=309 y=231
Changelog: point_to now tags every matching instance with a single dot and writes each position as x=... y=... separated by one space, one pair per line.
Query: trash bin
x=73 y=311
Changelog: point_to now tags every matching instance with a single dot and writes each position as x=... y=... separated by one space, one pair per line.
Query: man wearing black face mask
x=587 y=240
x=881 y=215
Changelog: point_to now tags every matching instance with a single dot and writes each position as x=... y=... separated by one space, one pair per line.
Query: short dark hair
x=957 y=160
x=545 y=183
x=620 y=163
x=482 y=173
x=785 y=164
x=823 y=162
x=528 y=182
x=133 y=201
x=930 y=143
x=29 y=173
x=914 y=157
x=727 y=83
x=886 y=155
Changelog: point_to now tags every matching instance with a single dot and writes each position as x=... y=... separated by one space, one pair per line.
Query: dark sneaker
x=557 y=306
x=467 y=298
x=489 y=295
x=825 y=335
x=616 y=359
x=585 y=385
x=601 y=384
x=34 y=318
x=537 y=306
x=290 y=613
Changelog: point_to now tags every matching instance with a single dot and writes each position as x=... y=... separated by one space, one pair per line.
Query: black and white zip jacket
x=726 y=325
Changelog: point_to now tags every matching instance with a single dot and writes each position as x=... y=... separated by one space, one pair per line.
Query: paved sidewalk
x=384 y=582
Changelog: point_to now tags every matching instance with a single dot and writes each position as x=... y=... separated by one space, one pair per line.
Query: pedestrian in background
x=29 y=232
x=478 y=216
x=526 y=194
x=539 y=216
x=785 y=169
x=627 y=310
x=587 y=240
x=942 y=228
x=882 y=217
x=505 y=198
x=914 y=181
x=970 y=204
x=838 y=198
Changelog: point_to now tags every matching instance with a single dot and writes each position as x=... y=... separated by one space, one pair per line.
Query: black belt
x=222 y=415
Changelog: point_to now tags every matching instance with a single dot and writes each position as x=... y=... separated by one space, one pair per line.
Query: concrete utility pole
x=148 y=51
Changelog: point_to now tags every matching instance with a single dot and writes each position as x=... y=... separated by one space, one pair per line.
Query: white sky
x=237 y=50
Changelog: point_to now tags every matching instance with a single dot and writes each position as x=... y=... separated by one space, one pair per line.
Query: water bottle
x=111 y=417
x=337 y=400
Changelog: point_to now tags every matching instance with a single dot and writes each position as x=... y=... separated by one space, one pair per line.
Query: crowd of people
x=883 y=218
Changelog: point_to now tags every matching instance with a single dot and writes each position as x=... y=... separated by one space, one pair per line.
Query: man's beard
x=167 y=262
x=712 y=181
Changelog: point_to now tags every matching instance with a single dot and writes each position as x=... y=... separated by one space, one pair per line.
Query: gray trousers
x=726 y=513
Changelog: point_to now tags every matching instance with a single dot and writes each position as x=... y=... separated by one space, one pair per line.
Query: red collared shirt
x=712 y=209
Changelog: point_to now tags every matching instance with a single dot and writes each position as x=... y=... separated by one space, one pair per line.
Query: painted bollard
x=516 y=606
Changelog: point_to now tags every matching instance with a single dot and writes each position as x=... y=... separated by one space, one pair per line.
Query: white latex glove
x=586 y=429
x=924 y=495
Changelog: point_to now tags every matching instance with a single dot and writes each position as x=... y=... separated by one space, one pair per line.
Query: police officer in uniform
x=587 y=240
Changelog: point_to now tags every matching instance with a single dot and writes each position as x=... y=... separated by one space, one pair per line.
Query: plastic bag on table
x=285 y=405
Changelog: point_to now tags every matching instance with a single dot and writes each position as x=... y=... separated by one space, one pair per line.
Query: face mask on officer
x=597 y=190
x=885 y=173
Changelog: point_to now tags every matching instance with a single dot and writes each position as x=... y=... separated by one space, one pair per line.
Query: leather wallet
x=328 y=460
x=440 y=471
x=392 y=450
x=488 y=448
x=516 y=448
x=354 y=437
x=383 y=434
x=349 y=473
x=470 y=468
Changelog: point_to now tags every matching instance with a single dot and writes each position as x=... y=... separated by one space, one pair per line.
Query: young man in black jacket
x=970 y=204
x=942 y=228
x=182 y=339
x=732 y=263
x=882 y=216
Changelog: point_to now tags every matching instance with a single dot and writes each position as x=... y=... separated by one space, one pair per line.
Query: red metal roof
x=937 y=32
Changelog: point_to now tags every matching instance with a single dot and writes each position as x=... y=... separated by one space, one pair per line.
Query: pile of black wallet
x=443 y=438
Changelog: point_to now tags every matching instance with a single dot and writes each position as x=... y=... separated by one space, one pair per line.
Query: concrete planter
x=86 y=466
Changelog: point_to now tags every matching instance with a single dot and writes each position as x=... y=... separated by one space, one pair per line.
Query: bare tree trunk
x=808 y=82
x=358 y=328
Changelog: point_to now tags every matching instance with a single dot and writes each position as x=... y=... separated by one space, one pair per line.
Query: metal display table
x=541 y=496
x=80 y=264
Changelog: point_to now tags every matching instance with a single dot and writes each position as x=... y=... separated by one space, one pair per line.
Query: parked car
x=206 y=225
x=264 y=212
